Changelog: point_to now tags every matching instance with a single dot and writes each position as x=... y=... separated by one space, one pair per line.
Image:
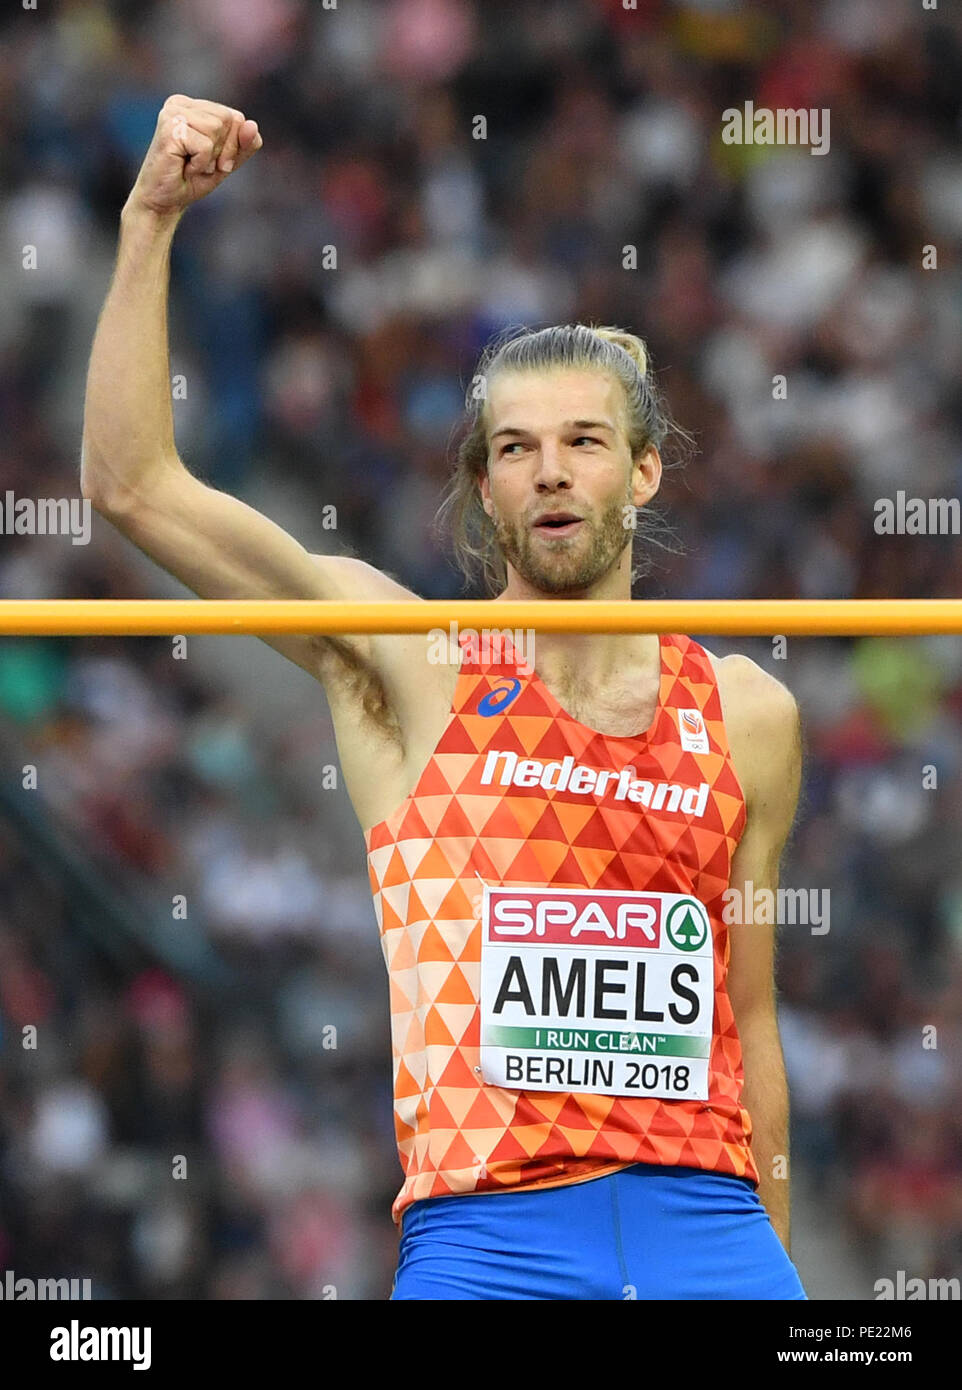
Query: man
x=589 y=1085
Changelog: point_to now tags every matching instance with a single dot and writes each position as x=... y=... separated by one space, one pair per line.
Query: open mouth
x=558 y=524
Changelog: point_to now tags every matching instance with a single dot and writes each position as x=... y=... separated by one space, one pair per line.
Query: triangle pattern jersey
x=455 y=1132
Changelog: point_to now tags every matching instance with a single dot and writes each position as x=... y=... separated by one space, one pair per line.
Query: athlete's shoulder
x=752 y=693
x=763 y=726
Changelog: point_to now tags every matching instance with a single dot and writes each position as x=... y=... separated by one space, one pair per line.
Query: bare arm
x=764 y=734
x=130 y=469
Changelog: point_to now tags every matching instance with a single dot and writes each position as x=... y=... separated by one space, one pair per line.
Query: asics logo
x=500 y=697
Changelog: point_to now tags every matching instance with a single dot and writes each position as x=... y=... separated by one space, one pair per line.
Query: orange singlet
x=590 y=870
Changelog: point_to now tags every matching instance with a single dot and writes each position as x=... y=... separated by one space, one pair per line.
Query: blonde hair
x=607 y=349
x=631 y=344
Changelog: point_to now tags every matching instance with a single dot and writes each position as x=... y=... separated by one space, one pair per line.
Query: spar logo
x=505 y=690
x=687 y=925
x=562 y=916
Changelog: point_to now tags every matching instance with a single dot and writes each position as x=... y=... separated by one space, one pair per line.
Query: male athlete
x=590 y=1097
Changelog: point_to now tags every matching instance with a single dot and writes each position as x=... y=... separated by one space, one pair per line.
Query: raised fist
x=195 y=146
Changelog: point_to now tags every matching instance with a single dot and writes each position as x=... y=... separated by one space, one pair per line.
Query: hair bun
x=634 y=347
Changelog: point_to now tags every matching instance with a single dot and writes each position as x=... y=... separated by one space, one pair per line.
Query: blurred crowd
x=435 y=171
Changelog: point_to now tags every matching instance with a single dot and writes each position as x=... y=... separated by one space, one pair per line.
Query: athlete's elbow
x=110 y=503
x=113 y=489
x=96 y=486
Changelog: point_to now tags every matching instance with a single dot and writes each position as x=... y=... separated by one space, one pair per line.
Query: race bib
x=607 y=992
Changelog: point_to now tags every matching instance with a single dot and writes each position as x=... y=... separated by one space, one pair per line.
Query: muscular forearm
x=765 y=1096
x=128 y=421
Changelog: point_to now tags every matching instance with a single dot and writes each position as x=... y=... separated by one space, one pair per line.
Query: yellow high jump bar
x=263 y=617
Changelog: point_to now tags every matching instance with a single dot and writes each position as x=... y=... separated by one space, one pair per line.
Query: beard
x=568 y=565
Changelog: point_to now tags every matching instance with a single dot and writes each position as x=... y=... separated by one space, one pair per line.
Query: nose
x=553 y=469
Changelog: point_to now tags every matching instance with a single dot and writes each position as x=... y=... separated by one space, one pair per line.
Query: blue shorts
x=646 y=1232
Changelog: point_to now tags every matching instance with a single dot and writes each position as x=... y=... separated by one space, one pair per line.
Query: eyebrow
x=568 y=424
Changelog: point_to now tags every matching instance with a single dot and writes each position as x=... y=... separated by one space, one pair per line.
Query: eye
x=590 y=438
x=515 y=445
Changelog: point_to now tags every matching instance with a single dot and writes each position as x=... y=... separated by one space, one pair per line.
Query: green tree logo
x=687 y=925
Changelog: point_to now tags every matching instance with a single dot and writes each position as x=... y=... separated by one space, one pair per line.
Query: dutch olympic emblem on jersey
x=498 y=699
x=691 y=727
